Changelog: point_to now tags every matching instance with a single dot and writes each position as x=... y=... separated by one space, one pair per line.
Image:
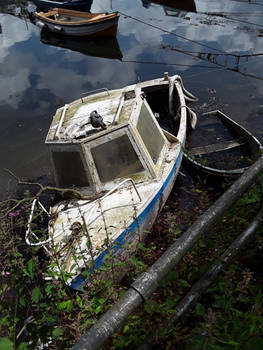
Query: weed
x=39 y=310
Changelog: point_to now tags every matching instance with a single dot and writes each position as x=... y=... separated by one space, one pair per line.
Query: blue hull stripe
x=77 y=283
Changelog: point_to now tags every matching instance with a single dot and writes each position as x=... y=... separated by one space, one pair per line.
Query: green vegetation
x=35 y=311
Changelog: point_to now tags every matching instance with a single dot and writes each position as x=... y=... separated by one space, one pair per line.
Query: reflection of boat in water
x=173 y=7
x=110 y=147
x=79 y=5
x=77 y=23
x=236 y=148
x=17 y=8
x=99 y=47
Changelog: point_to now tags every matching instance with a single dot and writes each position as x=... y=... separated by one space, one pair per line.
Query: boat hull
x=106 y=29
x=139 y=227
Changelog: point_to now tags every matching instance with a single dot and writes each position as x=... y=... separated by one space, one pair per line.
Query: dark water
x=215 y=45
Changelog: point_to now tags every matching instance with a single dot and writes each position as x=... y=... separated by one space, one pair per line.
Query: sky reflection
x=36 y=78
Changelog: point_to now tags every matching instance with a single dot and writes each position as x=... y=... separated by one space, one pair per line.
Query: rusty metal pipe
x=146 y=283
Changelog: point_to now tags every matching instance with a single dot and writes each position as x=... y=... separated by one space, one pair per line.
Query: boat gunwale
x=86 y=21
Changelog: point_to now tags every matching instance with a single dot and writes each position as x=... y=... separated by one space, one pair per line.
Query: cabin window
x=150 y=133
x=69 y=169
x=115 y=159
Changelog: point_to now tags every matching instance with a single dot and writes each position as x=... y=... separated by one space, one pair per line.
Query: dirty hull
x=117 y=225
x=139 y=227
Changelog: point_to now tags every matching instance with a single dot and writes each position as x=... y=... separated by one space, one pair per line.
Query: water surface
x=216 y=46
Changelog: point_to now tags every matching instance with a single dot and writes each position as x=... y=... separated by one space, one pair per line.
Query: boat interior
x=64 y=15
x=224 y=146
x=158 y=100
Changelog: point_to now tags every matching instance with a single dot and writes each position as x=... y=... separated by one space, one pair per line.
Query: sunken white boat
x=110 y=147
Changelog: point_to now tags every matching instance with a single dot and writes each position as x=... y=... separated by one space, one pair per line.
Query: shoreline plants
x=41 y=313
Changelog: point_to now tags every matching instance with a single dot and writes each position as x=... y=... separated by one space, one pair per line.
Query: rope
x=167 y=31
x=188 y=96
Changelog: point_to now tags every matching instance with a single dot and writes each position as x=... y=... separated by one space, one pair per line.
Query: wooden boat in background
x=107 y=47
x=235 y=150
x=109 y=146
x=77 y=23
x=78 y=5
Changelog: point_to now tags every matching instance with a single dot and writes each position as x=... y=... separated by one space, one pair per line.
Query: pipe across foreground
x=199 y=287
x=148 y=281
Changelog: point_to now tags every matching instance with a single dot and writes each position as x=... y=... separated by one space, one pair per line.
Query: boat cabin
x=104 y=138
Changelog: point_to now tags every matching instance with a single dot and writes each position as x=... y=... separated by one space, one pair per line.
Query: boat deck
x=75 y=116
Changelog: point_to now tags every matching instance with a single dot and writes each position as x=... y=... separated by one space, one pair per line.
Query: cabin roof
x=115 y=107
x=130 y=144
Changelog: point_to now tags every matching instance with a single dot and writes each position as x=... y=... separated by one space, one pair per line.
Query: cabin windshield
x=69 y=168
x=150 y=133
x=116 y=158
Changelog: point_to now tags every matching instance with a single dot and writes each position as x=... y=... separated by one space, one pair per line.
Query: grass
x=37 y=313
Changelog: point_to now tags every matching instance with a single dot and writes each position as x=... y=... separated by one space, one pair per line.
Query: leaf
x=26 y=273
x=48 y=288
x=30 y=266
x=126 y=328
x=4 y=320
x=65 y=305
x=184 y=283
x=229 y=342
x=22 y=301
x=4 y=287
x=57 y=332
x=177 y=232
x=6 y=344
x=22 y=346
x=36 y=294
x=98 y=309
x=79 y=301
x=72 y=267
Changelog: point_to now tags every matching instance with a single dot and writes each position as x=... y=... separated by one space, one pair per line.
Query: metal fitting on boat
x=76 y=227
x=166 y=76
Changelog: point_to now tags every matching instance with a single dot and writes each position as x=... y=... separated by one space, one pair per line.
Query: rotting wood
x=218 y=147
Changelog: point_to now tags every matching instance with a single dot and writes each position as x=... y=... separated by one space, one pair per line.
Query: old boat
x=110 y=147
x=235 y=150
x=77 y=23
x=78 y=5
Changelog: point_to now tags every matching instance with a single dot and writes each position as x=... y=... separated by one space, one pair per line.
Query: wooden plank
x=218 y=147
x=97 y=17
x=67 y=17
